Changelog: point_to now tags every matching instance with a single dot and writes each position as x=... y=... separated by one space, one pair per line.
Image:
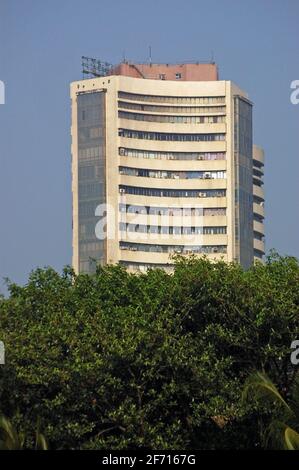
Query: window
x=258 y=236
x=172 y=109
x=148 y=247
x=144 y=267
x=139 y=191
x=145 y=173
x=177 y=230
x=258 y=218
x=89 y=153
x=171 y=119
x=172 y=211
x=172 y=99
x=258 y=182
x=131 y=134
x=178 y=76
x=91 y=175
x=160 y=155
x=95 y=132
x=258 y=254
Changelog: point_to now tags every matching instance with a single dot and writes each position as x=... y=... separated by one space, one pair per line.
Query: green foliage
x=291 y=438
x=117 y=360
x=11 y=439
x=259 y=387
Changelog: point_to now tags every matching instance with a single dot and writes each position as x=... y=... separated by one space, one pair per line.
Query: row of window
x=258 y=254
x=89 y=172
x=145 y=173
x=162 y=76
x=258 y=236
x=257 y=172
x=258 y=182
x=91 y=247
x=258 y=200
x=86 y=231
x=171 y=155
x=173 y=248
x=173 y=230
x=90 y=265
x=89 y=153
x=130 y=134
x=143 y=267
x=171 y=192
x=258 y=218
x=172 y=119
x=172 y=109
x=258 y=164
x=86 y=133
x=87 y=210
x=90 y=190
x=172 y=99
x=90 y=113
x=172 y=211
x=87 y=99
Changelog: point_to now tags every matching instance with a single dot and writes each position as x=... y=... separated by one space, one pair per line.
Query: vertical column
x=243 y=181
x=91 y=176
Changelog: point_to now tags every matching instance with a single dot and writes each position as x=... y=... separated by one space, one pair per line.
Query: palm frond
x=11 y=440
x=260 y=386
x=41 y=443
x=291 y=438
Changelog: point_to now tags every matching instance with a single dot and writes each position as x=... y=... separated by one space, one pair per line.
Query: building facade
x=163 y=163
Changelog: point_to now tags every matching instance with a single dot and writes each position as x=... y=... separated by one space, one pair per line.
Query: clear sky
x=254 y=42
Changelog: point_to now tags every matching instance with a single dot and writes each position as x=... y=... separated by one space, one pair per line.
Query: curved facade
x=172 y=162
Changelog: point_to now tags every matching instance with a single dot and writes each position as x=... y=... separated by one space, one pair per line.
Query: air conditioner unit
x=122 y=190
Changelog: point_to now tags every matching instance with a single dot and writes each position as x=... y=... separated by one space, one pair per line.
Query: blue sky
x=255 y=44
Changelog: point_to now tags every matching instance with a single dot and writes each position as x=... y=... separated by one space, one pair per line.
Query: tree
x=119 y=360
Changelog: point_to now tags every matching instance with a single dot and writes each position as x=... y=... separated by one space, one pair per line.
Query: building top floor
x=183 y=72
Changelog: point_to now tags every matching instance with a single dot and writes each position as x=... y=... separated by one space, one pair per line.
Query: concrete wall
x=187 y=72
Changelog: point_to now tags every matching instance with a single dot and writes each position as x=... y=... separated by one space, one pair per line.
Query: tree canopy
x=158 y=361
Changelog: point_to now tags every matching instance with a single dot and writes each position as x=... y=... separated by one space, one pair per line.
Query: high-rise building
x=162 y=163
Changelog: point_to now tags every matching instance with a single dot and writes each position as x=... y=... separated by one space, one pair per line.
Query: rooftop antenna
x=150 y=55
x=124 y=56
x=212 y=58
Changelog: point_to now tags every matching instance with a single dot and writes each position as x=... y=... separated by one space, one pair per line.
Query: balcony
x=173 y=183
